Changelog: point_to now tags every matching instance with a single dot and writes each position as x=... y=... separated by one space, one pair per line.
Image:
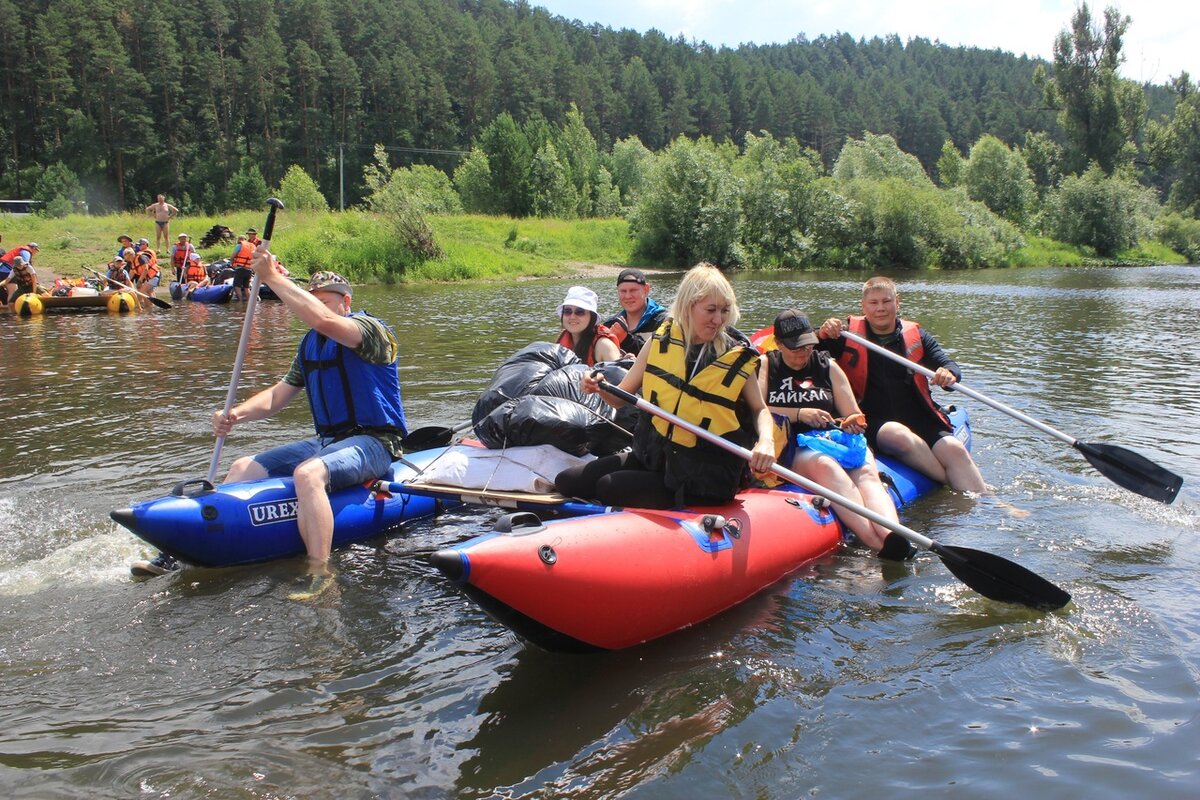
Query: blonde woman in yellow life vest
x=696 y=369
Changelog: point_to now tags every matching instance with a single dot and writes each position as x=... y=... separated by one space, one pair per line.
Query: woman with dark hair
x=582 y=332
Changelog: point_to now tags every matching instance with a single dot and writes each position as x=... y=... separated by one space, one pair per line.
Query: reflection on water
x=213 y=683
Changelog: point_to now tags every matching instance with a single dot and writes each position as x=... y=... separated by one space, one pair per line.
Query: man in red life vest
x=903 y=420
x=26 y=252
x=181 y=253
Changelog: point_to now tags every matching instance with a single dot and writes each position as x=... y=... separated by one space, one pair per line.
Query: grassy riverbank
x=476 y=247
x=359 y=245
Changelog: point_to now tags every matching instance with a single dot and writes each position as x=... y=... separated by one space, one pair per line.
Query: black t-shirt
x=808 y=387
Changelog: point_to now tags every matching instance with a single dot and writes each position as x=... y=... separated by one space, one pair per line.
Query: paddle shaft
x=107 y=280
x=990 y=575
x=1120 y=465
x=572 y=508
x=958 y=387
x=244 y=341
x=783 y=472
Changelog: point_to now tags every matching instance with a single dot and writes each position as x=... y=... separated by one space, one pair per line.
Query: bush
x=247 y=188
x=878 y=157
x=550 y=185
x=1097 y=211
x=630 y=161
x=779 y=200
x=400 y=207
x=607 y=200
x=428 y=188
x=299 y=192
x=420 y=187
x=360 y=246
x=473 y=180
x=900 y=225
x=59 y=190
x=689 y=211
x=999 y=178
x=58 y=208
x=1181 y=234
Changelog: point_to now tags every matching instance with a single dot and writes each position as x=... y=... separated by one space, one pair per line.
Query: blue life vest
x=348 y=395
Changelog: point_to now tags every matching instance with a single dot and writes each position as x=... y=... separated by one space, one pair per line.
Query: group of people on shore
x=190 y=271
x=688 y=359
x=136 y=265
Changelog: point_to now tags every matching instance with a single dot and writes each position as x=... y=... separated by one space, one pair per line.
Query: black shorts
x=928 y=428
x=241 y=277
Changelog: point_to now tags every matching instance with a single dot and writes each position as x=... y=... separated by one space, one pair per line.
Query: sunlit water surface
x=851 y=679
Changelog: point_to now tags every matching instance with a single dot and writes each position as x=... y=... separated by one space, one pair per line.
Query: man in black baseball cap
x=640 y=313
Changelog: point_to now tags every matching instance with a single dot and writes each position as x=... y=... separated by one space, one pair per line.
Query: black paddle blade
x=427 y=438
x=432 y=436
x=1131 y=471
x=998 y=578
x=159 y=303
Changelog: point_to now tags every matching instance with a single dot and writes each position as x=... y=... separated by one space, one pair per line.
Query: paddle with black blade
x=179 y=285
x=1120 y=465
x=992 y=576
x=244 y=341
x=432 y=436
x=151 y=298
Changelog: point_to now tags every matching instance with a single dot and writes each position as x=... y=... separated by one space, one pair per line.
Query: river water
x=851 y=679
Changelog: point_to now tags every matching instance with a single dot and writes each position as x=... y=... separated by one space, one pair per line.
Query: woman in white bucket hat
x=582 y=332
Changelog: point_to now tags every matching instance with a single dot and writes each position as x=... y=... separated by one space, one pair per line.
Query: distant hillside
x=153 y=96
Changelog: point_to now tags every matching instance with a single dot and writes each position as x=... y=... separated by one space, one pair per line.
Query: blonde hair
x=703 y=281
x=880 y=284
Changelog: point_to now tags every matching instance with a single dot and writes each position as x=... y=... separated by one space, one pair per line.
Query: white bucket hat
x=579 y=297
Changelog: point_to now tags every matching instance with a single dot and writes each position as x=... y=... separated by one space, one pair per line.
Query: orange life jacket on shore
x=243 y=254
x=150 y=269
x=179 y=256
x=8 y=257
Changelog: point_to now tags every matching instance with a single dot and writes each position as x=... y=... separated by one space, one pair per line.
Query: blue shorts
x=154 y=281
x=350 y=461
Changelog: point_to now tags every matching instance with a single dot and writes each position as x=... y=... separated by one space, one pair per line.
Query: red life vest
x=243 y=254
x=602 y=332
x=9 y=257
x=195 y=272
x=853 y=361
x=149 y=270
x=179 y=255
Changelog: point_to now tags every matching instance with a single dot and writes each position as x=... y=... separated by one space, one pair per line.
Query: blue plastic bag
x=850 y=449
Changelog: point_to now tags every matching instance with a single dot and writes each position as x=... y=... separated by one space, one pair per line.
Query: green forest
x=827 y=152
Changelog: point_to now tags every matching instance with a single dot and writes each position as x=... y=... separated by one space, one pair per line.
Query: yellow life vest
x=708 y=398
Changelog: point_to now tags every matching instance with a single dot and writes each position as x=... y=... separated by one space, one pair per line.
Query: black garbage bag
x=534 y=398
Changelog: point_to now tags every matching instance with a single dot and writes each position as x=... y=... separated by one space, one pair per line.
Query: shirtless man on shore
x=162 y=211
